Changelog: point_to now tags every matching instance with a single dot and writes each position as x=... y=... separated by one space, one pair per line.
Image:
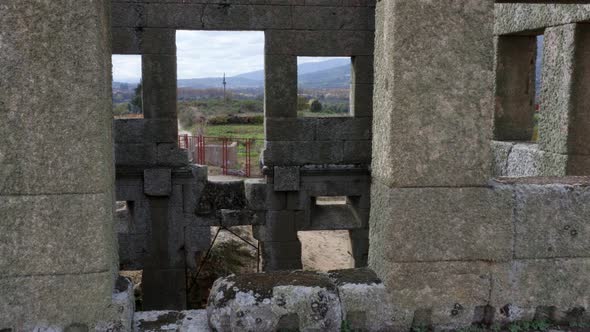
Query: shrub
x=315 y=106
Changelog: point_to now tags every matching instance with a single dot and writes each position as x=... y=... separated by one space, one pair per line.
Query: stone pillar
x=57 y=246
x=280 y=86
x=359 y=245
x=564 y=126
x=159 y=75
x=434 y=222
x=279 y=244
x=515 y=88
x=163 y=283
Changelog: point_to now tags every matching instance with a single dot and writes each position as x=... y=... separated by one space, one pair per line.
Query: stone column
x=164 y=283
x=159 y=75
x=515 y=88
x=279 y=245
x=359 y=245
x=564 y=126
x=434 y=222
x=57 y=246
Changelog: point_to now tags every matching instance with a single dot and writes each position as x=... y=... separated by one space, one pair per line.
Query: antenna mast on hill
x=224 y=84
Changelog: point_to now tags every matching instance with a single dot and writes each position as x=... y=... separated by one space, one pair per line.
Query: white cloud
x=126 y=68
x=207 y=54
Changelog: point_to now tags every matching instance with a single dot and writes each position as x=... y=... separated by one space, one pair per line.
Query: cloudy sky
x=206 y=54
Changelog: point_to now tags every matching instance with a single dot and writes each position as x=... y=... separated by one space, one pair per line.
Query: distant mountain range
x=324 y=74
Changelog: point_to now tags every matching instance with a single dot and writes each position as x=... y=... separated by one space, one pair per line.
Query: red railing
x=232 y=155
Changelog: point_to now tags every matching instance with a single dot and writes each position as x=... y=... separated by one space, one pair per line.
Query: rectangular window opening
x=331 y=200
x=127 y=92
x=323 y=86
x=221 y=100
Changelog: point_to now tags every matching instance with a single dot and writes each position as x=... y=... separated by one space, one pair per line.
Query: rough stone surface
x=157 y=182
x=511 y=18
x=54 y=301
x=219 y=195
x=280 y=92
x=280 y=226
x=289 y=153
x=331 y=129
x=364 y=300
x=181 y=321
x=433 y=224
x=58 y=245
x=319 y=42
x=119 y=315
x=523 y=287
x=230 y=218
x=501 y=151
x=55 y=234
x=427 y=89
x=259 y=302
x=256 y=194
x=359 y=246
x=159 y=86
x=279 y=256
x=442 y=294
x=286 y=178
x=525 y=159
x=44 y=149
x=169 y=154
x=290 y=129
x=551 y=221
x=515 y=159
x=558 y=75
x=135 y=155
x=136 y=131
x=246 y=15
x=361 y=103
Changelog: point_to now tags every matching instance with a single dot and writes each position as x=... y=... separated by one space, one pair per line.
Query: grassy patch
x=321 y=114
x=255 y=131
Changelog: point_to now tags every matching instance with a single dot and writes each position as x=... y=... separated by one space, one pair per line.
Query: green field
x=255 y=131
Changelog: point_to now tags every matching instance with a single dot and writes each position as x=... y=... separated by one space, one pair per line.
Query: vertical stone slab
x=433 y=116
x=164 y=284
x=158 y=48
x=514 y=88
x=359 y=246
x=159 y=86
x=433 y=65
x=56 y=164
x=564 y=126
x=280 y=86
x=361 y=88
x=280 y=247
x=556 y=93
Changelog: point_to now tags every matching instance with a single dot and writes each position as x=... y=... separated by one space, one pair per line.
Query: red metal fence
x=231 y=154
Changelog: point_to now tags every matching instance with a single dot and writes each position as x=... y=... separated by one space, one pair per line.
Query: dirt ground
x=325 y=250
x=321 y=251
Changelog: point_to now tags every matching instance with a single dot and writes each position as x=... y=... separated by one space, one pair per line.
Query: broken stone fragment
x=294 y=300
x=300 y=301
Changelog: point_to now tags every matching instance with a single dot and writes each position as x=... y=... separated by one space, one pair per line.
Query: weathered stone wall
x=532 y=18
x=452 y=246
x=292 y=28
x=563 y=100
x=57 y=246
x=288 y=199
